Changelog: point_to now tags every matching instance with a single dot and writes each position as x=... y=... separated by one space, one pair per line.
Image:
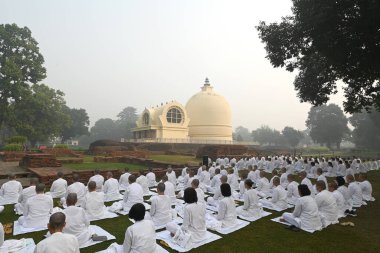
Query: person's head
x=350 y=178
x=75 y=177
x=223 y=179
x=254 y=167
x=71 y=199
x=195 y=183
x=320 y=185
x=109 y=174
x=137 y=212
x=276 y=181
x=161 y=188
x=191 y=173
x=290 y=178
x=12 y=176
x=274 y=172
x=333 y=186
x=33 y=181
x=330 y=164
x=248 y=184
x=230 y=171
x=141 y=172
x=283 y=170
x=250 y=167
x=40 y=188
x=217 y=171
x=131 y=179
x=91 y=186
x=204 y=167
x=302 y=174
x=59 y=174
x=262 y=174
x=57 y=222
x=303 y=190
x=225 y=189
x=340 y=180
x=362 y=177
x=97 y=172
x=190 y=195
x=244 y=174
x=170 y=169
x=164 y=178
x=319 y=171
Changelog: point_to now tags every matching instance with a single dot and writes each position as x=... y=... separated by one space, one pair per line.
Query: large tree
x=20 y=66
x=105 y=129
x=366 y=131
x=242 y=134
x=292 y=136
x=327 y=41
x=327 y=124
x=126 y=121
x=79 y=122
x=267 y=135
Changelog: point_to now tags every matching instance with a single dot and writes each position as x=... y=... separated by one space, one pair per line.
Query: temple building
x=205 y=118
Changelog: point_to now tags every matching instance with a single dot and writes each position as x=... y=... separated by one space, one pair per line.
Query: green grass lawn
x=267 y=236
x=175 y=158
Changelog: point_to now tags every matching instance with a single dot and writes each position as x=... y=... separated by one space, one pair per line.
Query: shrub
x=61 y=146
x=14 y=147
x=17 y=139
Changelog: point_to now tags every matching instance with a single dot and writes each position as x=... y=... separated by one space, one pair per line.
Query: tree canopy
x=366 y=131
x=327 y=124
x=292 y=136
x=327 y=41
x=79 y=122
x=267 y=135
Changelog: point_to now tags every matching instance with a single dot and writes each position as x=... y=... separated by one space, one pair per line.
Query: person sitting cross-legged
x=227 y=215
x=251 y=207
x=94 y=202
x=161 y=212
x=326 y=204
x=134 y=194
x=111 y=188
x=59 y=187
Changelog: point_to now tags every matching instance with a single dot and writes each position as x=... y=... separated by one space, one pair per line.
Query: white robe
x=293 y=194
x=160 y=210
x=214 y=200
x=143 y=181
x=77 y=224
x=58 y=243
x=133 y=194
x=227 y=214
x=94 y=205
x=327 y=208
x=172 y=177
x=340 y=203
x=322 y=178
x=111 y=189
x=232 y=180
x=348 y=201
x=99 y=180
x=307 y=182
x=366 y=190
x=205 y=178
x=251 y=207
x=24 y=196
x=170 y=191
x=194 y=221
x=80 y=189
x=263 y=187
x=215 y=182
x=37 y=211
x=151 y=179
x=284 y=180
x=200 y=196
x=59 y=188
x=10 y=191
x=355 y=193
x=1 y=234
x=279 y=197
x=123 y=180
x=140 y=237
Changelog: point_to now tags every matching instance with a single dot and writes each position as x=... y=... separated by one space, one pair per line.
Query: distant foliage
x=14 y=147
x=17 y=139
x=61 y=146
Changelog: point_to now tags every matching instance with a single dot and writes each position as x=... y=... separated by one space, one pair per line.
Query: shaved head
x=71 y=199
x=57 y=220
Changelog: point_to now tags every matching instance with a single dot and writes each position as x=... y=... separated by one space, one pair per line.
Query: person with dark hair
x=98 y=179
x=161 y=212
x=251 y=207
x=227 y=215
x=151 y=178
x=326 y=205
x=111 y=188
x=305 y=215
x=124 y=179
x=292 y=187
x=25 y=195
x=141 y=236
x=143 y=181
x=94 y=202
x=133 y=195
x=37 y=209
x=77 y=222
x=58 y=188
x=11 y=190
x=193 y=229
x=58 y=242
x=78 y=188
x=342 y=188
x=169 y=188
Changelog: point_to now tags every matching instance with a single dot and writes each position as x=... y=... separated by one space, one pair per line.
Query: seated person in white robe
x=11 y=190
x=141 y=236
x=326 y=205
x=320 y=176
x=192 y=176
x=339 y=199
x=171 y=175
x=306 y=181
x=111 y=188
x=161 y=212
x=242 y=189
x=232 y=180
x=366 y=187
x=251 y=207
x=227 y=214
x=37 y=209
x=98 y=179
x=193 y=228
x=79 y=189
x=1 y=234
x=134 y=194
x=215 y=181
x=305 y=215
x=123 y=180
x=169 y=188
x=94 y=202
x=347 y=199
x=151 y=178
x=58 y=241
x=59 y=187
x=25 y=195
x=279 y=196
x=274 y=174
x=284 y=178
x=331 y=172
x=354 y=191
x=263 y=187
x=214 y=200
x=341 y=170
x=292 y=190
x=223 y=170
x=200 y=193
x=143 y=181
x=204 y=177
x=77 y=222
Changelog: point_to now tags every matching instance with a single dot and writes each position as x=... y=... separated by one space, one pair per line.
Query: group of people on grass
x=258 y=183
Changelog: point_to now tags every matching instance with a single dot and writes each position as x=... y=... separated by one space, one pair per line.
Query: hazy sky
x=106 y=55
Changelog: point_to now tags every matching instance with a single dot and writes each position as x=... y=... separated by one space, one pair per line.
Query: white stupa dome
x=210 y=115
